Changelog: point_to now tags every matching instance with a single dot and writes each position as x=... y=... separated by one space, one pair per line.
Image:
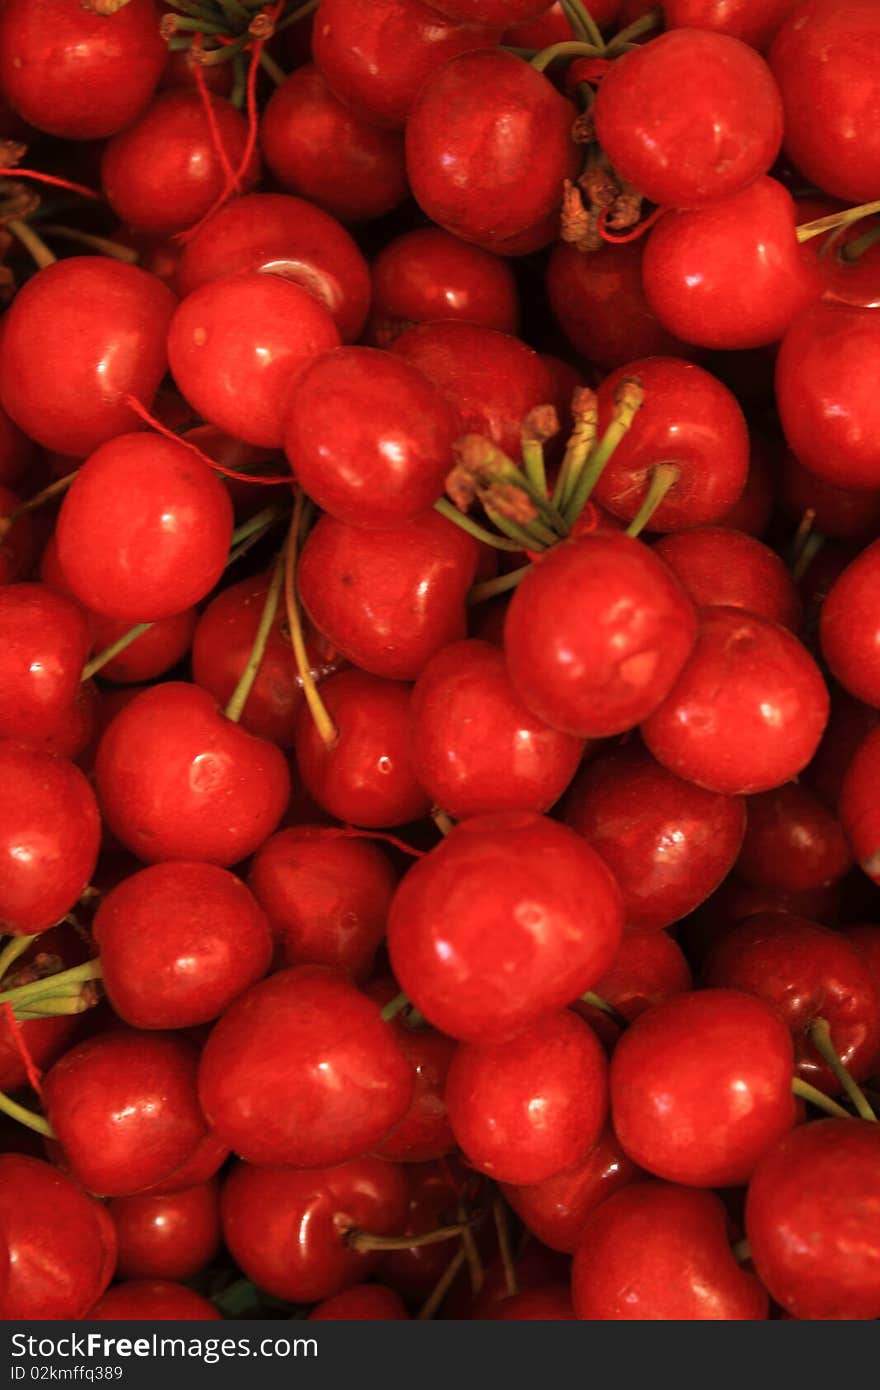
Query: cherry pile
x=440 y=659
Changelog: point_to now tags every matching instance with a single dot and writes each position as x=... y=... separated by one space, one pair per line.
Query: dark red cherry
x=424 y=1133
x=60 y=1243
x=849 y=630
x=18 y=454
x=734 y=901
x=318 y=148
x=753 y=21
x=428 y=275
x=752 y=509
x=176 y=780
x=850 y=721
x=510 y=917
x=18 y=544
x=174 y=1236
x=718 y=565
x=793 y=843
x=363 y=1303
x=502 y=12
x=436 y=1192
x=839 y=513
x=748 y=710
x=44 y=642
x=549 y=1303
x=535 y=1270
x=79 y=337
x=152 y=1300
x=648 y=968
x=286 y=1230
x=596 y=634
x=859 y=807
x=44 y=1039
x=204 y=1163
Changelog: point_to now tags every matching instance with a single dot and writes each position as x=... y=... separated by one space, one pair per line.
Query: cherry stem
x=533 y=462
x=255 y=527
x=652 y=20
x=35 y=246
x=664 y=476
x=596 y=1001
x=805 y=526
x=820 y=1037
x=104 y=658
x=60 y=983
x=275 y=70
x=855 y=249
x=742 y=1251
x=101 y=244
x=323 y=723
x=804 y=1091
x=297 y=15
x=473 y=528
x=490 y=588
x=30 y=1118
x=239 y=697
x=235 y=13
x=364 y=1241
x=471 y=1252
x=14 y=948
x=442 y=1287
x=55 y=1005
x=583 y=23
x=534 y=536
x=809 y=550
x=587 y=476
x=443 y=822
x=48 y=494
x=394 y=1007
x=580 y=443
x=499 y=1216
x=807 y=230
x=569 y=48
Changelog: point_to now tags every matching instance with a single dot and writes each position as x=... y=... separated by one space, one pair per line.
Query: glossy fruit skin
x=719 y=565
x=821 y=61
x=753 y=21
x=167 y=1237
x=424 y=1133
x=124 y=1107
x=152 y=1300
x=50 y=831
x=204 y=1163
x=363 y=1303
x=510 y=917
x=849 y=631
x=302 y=1071
x=668 y=843
x=649 y=967
x=45 y=639
x=144 y=530
x=176 y=780
x=807 y=972
x=657 y=1253
x=689 y=154
x=596 y=634
x=465 y=154
x=813 y=1221
x=793 y=843
x=829 y=414
x=369 y=437
x=77 y=73
x=65 y=368
x=285 y=1229
x=747 y=711
x=527 y=1109
x=60 y=1243
x=288 y=237
x=428 y=275
x=475 y=746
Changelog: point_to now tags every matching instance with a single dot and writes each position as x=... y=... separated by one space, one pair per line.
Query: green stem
x=808 y=552
x=55 y=1005
x=365 y=1241
x=499 y=1215
x=820 y=1037
x=36 y=248
x=533 y=462
x=473 y=528
x=742 y=1251
x=535 y=536
x=101 y=244
x=584 y=479
x=14 y=948
x=807 y=230
x=490 y=588
x=443 y=822
x=236 y=15
x=597 y=1002
x=569 y=48
x=258 y=523
x=652 y=20
x=52 y=984
x=184 y=24
x=297 y=15
x=104 y=658
x=275 y=70
x=394 y=1007
x=239 y=697
x=327 y=730
x=30 y=1118
x=583 y=23
x=48 y=494
x=442 y=1287
x=664 y=476
x=804 y=1091
x=855 y=249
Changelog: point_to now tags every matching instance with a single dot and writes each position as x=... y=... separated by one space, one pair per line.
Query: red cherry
x=753 y=21
x=494 y=11
x=849 y=630
x=17 y=541
x=164 y=172
x=596 y=634
x=205 y=1161
x=840 y=513
x=424 y=1133
x=718 y=565
x=79 y=337
x=152 y=1300
x=551 y=1303
x=76 y=72
x=303 y=1071
x=316 y=147
x=535 y=1270
x=734 y=901
x=849 y=723
x=144 y=530
x=859 y=806
x=176 y=780
x=866 y=939
x=659 y=1253
x=287 y=1230
x=428 y=275
x=649 y=968
x=477 y=122
x=60 y=1243
x=167 y=1237
x=510 y=917
x=553 y=25
x=701 y=1087
x=689 y=118
x=44 y=641
x=124 y=1108
x=435 y=1193
x=668 y=843
x=793 y=843
x=752 y=509
x=18 y=454
x=44 y=1038
x=748 y=710
x=813 y=1221
x=287 y=237
x=363 y=1303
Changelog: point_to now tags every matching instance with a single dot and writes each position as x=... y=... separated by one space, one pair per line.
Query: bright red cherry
x=718 y=565
x=813 y=1221
x=424 y=1133
x=44 y=642
x=174 y=1236
x=428 y=275
x=748 y=710
x=660 y=1253
x=510 y=917
x=152 y=1300
x=753 y=21
x=363 y=1303
x=849 y=628
x=701 y=1087
x=793 y=843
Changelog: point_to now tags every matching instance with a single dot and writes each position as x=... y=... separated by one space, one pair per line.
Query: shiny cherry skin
x=162 y=646
x=368 y=436
x=649 y=968
x=60 y=1243
x=668 y=843
x=793 y=843
x=50 y=831
x=753 y=21
x=179 y=942
x=176 y=780
x=701 y=1087
x=163 y=173
x=174 y=1236
x=527 y=1109
x=44 y=642
x=435 y=1191
x=685 y=142
x=719 y=565
x=555 y=1211
x=424 y=1133
x=388 y=599
x=326 y=896
x=144 y=530
x=492 y=379
x=657 y=1253
x=319 y=149
x=698 y=264
x=840 y=513
x=302 y=1071
x=286 y=1229
x=152 y=1300
x=475 y=746
x=849 y=631
x=821 y=61
x=376 y=60
x=75 y=72
x=688 y=419
x=748 y=710
x=466 y=149
x=596 y=634
x=44 y=1038
x=363 y=1303
x=125 y=1110
x=79 y=337
x=288 y=237
x=813 y=1221
x=510 y=917
x=830 y=416
x=428 y=275
x=806 y=972
x=204 y=1163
